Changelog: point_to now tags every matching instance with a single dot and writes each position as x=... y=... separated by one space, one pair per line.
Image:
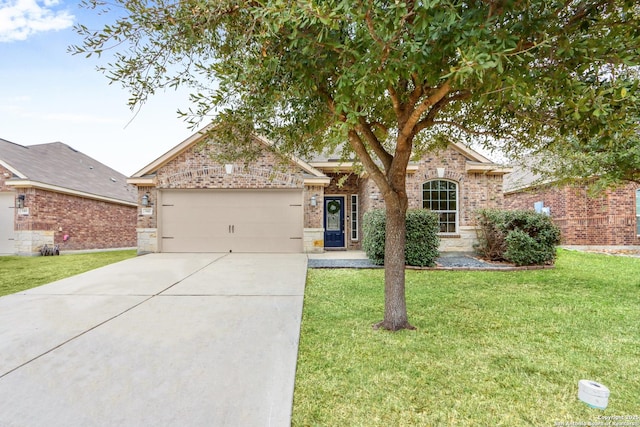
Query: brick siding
x=475 y=190
x=90 y=224
x=4 y=175
x=195 y=168
x=608 y=219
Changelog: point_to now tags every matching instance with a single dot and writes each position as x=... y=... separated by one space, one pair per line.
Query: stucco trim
x=315 y=181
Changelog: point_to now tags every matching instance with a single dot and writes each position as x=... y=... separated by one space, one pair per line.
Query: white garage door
x=7 y=242
x=231 y=220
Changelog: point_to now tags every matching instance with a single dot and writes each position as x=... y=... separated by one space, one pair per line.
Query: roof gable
x=57 y=165
x=200 y=137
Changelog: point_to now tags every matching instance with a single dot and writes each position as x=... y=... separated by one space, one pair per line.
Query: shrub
x=373 y=223
x=521 y=237
x=421 y=246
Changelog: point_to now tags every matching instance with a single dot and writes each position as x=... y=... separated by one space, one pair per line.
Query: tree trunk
x=395 y=306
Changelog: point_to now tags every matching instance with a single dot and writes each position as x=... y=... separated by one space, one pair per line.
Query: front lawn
x=491 y=348
x=18 y=273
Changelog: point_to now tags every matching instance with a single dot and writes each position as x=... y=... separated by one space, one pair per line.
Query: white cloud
x=21 y=18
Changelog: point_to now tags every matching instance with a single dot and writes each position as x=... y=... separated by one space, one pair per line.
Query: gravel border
x=445 y=262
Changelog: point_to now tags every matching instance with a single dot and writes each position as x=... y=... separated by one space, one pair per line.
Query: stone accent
x=29 y=242
x=463 y=241
x=313 y=240
x=608 y=219
x=147 y=240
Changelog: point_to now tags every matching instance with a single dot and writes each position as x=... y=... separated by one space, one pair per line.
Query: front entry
x=334 y=222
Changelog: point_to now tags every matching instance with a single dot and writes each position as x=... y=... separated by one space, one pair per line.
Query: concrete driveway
x=158 y=340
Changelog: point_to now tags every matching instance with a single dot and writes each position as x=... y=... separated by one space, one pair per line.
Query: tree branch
x=369 y=165
x=407 y=129
x=427 y=121
x=374 y=143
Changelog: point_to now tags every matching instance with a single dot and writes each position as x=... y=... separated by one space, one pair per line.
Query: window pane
x=441 y=196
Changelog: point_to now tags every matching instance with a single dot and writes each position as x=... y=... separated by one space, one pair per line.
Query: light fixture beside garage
x=228 y=168
x=314 y=200
x=146 y=199
x=20 y=201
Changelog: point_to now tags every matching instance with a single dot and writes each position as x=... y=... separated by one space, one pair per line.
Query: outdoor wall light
x=314 y=200
x=146 y=200
x=20 y=201
x=228 y=168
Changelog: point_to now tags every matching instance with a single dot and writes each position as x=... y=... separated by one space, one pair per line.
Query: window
x=442 y=197
x=354 y=217
x=638 y=211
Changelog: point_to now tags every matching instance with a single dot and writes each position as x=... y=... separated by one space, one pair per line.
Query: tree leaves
x=545 y=75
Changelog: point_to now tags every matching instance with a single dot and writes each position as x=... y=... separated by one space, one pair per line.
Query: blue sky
x=48 y=95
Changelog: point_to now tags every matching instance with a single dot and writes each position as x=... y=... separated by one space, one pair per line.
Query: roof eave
x=323 y=181
x=145 y=181
x=487 y=168
x=26 y=183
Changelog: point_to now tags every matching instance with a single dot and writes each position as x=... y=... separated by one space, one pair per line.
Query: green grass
x=19 y=273
x=491 y=348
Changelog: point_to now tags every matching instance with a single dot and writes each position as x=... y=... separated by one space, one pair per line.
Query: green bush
x=521 y=237
x=373 y=223
x=421 y=247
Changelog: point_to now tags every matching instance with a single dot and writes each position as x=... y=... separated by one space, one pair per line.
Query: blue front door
x=333 y=222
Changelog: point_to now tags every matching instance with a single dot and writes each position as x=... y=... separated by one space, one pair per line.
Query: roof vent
x=113 y=179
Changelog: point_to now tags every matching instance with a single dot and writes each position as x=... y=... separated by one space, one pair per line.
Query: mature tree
x=391 y=77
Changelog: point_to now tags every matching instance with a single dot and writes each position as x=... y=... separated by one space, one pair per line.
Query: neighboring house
x=52 y=194
x=190 y=203
x=611 y=218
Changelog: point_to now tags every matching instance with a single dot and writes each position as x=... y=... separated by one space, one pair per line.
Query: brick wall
x=90 y=224
x=475 y=191
x=196 y=168
x=313 y=215
x=608 y=219
x=4 y=175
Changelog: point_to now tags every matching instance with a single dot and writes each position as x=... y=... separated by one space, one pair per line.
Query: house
x=51 y=194
x=611 y=218
x=190 y=203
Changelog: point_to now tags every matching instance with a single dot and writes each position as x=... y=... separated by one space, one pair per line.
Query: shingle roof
x=62 y=166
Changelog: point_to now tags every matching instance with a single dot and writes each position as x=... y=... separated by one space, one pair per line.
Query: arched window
x=441 y=196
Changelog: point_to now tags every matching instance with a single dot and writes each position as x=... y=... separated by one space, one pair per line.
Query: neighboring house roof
x=57 y=167
x=520 y=179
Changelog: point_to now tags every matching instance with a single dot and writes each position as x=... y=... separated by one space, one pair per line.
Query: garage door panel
x=232 y=220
